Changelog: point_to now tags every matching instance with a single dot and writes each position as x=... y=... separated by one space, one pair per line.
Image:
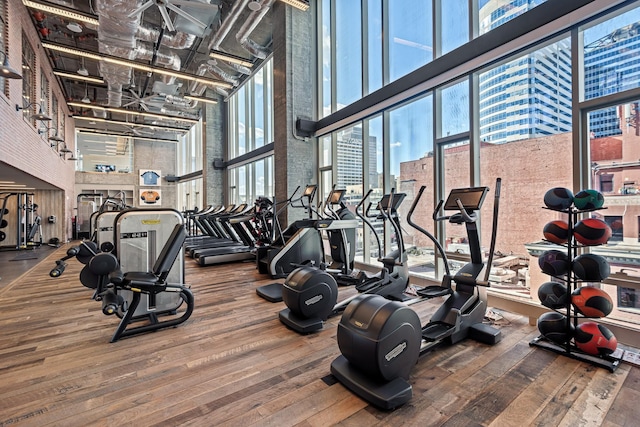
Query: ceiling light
x=298 y=4
x=123 y=123
x=109 y=133
x=133 y=113
x=138 y=66
x=65 y=12
x=83 y=70
x=84 y=78
x=215 y=54
x=254 y=5
x=201 y=99
x=75 y=27
x=6 y=70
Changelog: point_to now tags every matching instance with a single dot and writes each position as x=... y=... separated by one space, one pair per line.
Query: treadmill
x=236 y=224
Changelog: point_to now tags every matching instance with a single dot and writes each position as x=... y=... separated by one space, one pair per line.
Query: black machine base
x=298 y=324
x=485 y=334
x=271 y=292
x=382 y=394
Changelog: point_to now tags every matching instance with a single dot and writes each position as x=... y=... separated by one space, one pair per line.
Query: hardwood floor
x=234 y=364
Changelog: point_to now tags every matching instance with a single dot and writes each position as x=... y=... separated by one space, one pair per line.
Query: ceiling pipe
x=163 y=57
x=179 y=40
x=240 y=68
x=116 y=37
x=227 y=24
x=249 y=26
x=197 y=89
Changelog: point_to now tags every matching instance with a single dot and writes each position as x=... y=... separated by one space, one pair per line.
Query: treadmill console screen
x=471 y=198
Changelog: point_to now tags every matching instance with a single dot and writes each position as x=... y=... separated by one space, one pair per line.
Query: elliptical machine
x=381 y=340
x=296 y=244
x=311 y=293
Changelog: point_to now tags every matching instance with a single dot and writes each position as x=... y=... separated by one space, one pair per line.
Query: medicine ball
x=556 y=231
x=591 y=267
x=553 y=294
x=554 y=262
x=595 y=339
x=591 y=302
x=553 y=326
x=558 y=198
x=588 y=199
x=592 y=231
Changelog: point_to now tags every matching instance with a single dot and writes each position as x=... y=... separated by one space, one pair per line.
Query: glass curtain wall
x=251 y=128
x=610 y=110
x=189 y=194
x=515 y=119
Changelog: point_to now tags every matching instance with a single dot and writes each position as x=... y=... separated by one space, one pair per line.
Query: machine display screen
x=397 y=199
x=336 y=196
x=471 y=198
x=309 y=191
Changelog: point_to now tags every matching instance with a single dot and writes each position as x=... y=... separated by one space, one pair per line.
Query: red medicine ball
x=556 y=232
x=595 y=339
x=591 y=302
x=592 y=231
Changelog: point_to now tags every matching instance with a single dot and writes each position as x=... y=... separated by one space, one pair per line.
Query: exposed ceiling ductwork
x=136 y=30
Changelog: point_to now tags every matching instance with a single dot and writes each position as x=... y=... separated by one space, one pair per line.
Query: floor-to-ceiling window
x=189 y=194
x=610 y=113
x=250 y=130
x=512 y=116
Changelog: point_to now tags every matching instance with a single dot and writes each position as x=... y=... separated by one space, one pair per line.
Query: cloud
x=395 y=144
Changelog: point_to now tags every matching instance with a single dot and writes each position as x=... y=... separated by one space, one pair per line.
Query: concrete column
x=293 y=82
x=215 y=147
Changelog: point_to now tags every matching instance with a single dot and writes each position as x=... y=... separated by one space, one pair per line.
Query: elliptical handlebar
x=388 y=215
x=425 y=232
x=364 y=215
x=494 y=232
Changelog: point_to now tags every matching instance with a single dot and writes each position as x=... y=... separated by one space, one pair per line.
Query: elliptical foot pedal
x=385 y=395
x=271 y=292
x=302 y=326
x=434 y=291
x=437 y=331
x=485 y=334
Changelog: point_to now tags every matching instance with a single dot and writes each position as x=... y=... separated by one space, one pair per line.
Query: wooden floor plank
x=233 y=363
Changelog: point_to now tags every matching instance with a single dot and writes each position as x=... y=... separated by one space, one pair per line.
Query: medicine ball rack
x=572 y=282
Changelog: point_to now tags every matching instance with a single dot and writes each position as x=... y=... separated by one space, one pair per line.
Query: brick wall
x=20 y=144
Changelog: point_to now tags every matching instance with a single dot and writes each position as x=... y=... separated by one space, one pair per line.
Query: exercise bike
x=311 y=293
x=380 y=340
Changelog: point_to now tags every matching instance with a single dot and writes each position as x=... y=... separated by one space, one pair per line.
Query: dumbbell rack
x=572 y=282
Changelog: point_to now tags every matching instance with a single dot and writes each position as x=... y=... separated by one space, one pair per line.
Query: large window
x=559 y=112
x=189 y=160
x=104 y=153
x=410 y=36
x=251 y=128
x=251 y=180
x=367 y=44
x=251 y=113
x=28 y=79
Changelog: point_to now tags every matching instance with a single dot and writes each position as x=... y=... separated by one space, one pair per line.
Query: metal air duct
x=249 y=26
